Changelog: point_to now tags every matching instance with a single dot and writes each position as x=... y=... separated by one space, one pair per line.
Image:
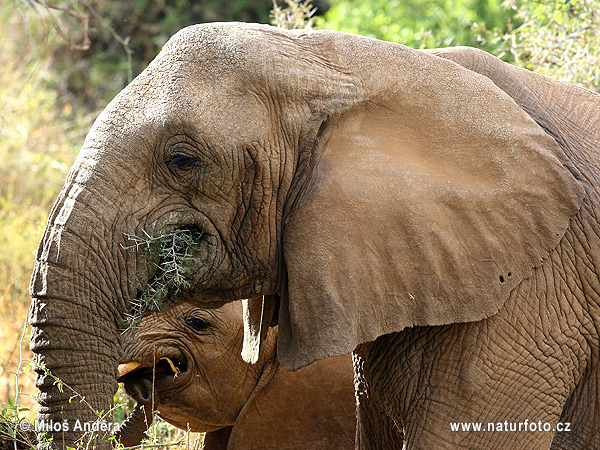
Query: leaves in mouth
x=173 y=251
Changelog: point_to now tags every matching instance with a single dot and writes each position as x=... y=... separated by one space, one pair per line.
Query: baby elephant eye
x=196 y=324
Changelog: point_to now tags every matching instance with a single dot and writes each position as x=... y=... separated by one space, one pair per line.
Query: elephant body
x=207 y=387
x=523 y=347
x=433 y=212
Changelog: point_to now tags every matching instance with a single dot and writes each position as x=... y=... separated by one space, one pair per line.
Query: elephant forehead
x=206 y=77
x=212 y=57
x=237 y=81
x=224 y=49
x=160 y=103
x=267 y=61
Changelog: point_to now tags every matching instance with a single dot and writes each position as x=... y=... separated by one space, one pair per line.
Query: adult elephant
x=436 y=214
x=185 y=362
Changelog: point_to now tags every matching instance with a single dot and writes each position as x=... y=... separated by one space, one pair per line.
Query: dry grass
x=296 y=15
x=36 y=150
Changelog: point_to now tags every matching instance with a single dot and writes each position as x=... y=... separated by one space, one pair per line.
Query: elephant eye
x=182 y=162
x=196 y=323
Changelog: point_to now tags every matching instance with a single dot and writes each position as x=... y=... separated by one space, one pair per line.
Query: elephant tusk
x=126 y=368
x=129 y=367
x=174 y=368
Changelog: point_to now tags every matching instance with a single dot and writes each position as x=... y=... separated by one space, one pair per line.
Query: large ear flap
x=429 y=203
x=549 y=102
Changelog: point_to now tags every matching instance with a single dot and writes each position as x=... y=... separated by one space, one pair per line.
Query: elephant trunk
x=79 y=298
x=133 y=430
x=76 y=350
x=75 y=368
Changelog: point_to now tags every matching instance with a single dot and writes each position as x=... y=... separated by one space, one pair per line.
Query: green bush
x=417 y=23
x=560 y=39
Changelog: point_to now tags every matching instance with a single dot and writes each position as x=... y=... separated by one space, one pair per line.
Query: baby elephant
x=186 y=364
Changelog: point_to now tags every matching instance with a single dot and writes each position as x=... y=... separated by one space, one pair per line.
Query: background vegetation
x=419 y=23
x=560 y=39
x=60 y=63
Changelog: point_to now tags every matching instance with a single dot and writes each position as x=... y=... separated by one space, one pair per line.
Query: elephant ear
x=429 y=202
x=546 y=100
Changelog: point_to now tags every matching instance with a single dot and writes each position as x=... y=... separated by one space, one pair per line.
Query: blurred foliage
x=296 y=15
x=418 y=23
x=38 y=143
x=37 y=140
x=124 y=36
x=560 y=39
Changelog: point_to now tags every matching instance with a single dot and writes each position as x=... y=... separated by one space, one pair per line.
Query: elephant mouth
x=166 y=369
x=144 y=383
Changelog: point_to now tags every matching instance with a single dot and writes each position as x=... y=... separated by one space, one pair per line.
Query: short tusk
x=126 y=368
x=174 y=368
x=129 y=367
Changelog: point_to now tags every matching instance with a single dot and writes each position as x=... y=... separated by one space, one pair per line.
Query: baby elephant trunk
x=135 y=426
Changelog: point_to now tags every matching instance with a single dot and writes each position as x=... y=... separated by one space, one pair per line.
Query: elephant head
x=362 y=186
x=185 y=362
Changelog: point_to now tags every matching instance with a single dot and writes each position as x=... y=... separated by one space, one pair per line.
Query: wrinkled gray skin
x=434 y=212
x=209 y=388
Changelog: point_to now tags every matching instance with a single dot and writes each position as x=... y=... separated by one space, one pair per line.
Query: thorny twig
x=174 y=252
